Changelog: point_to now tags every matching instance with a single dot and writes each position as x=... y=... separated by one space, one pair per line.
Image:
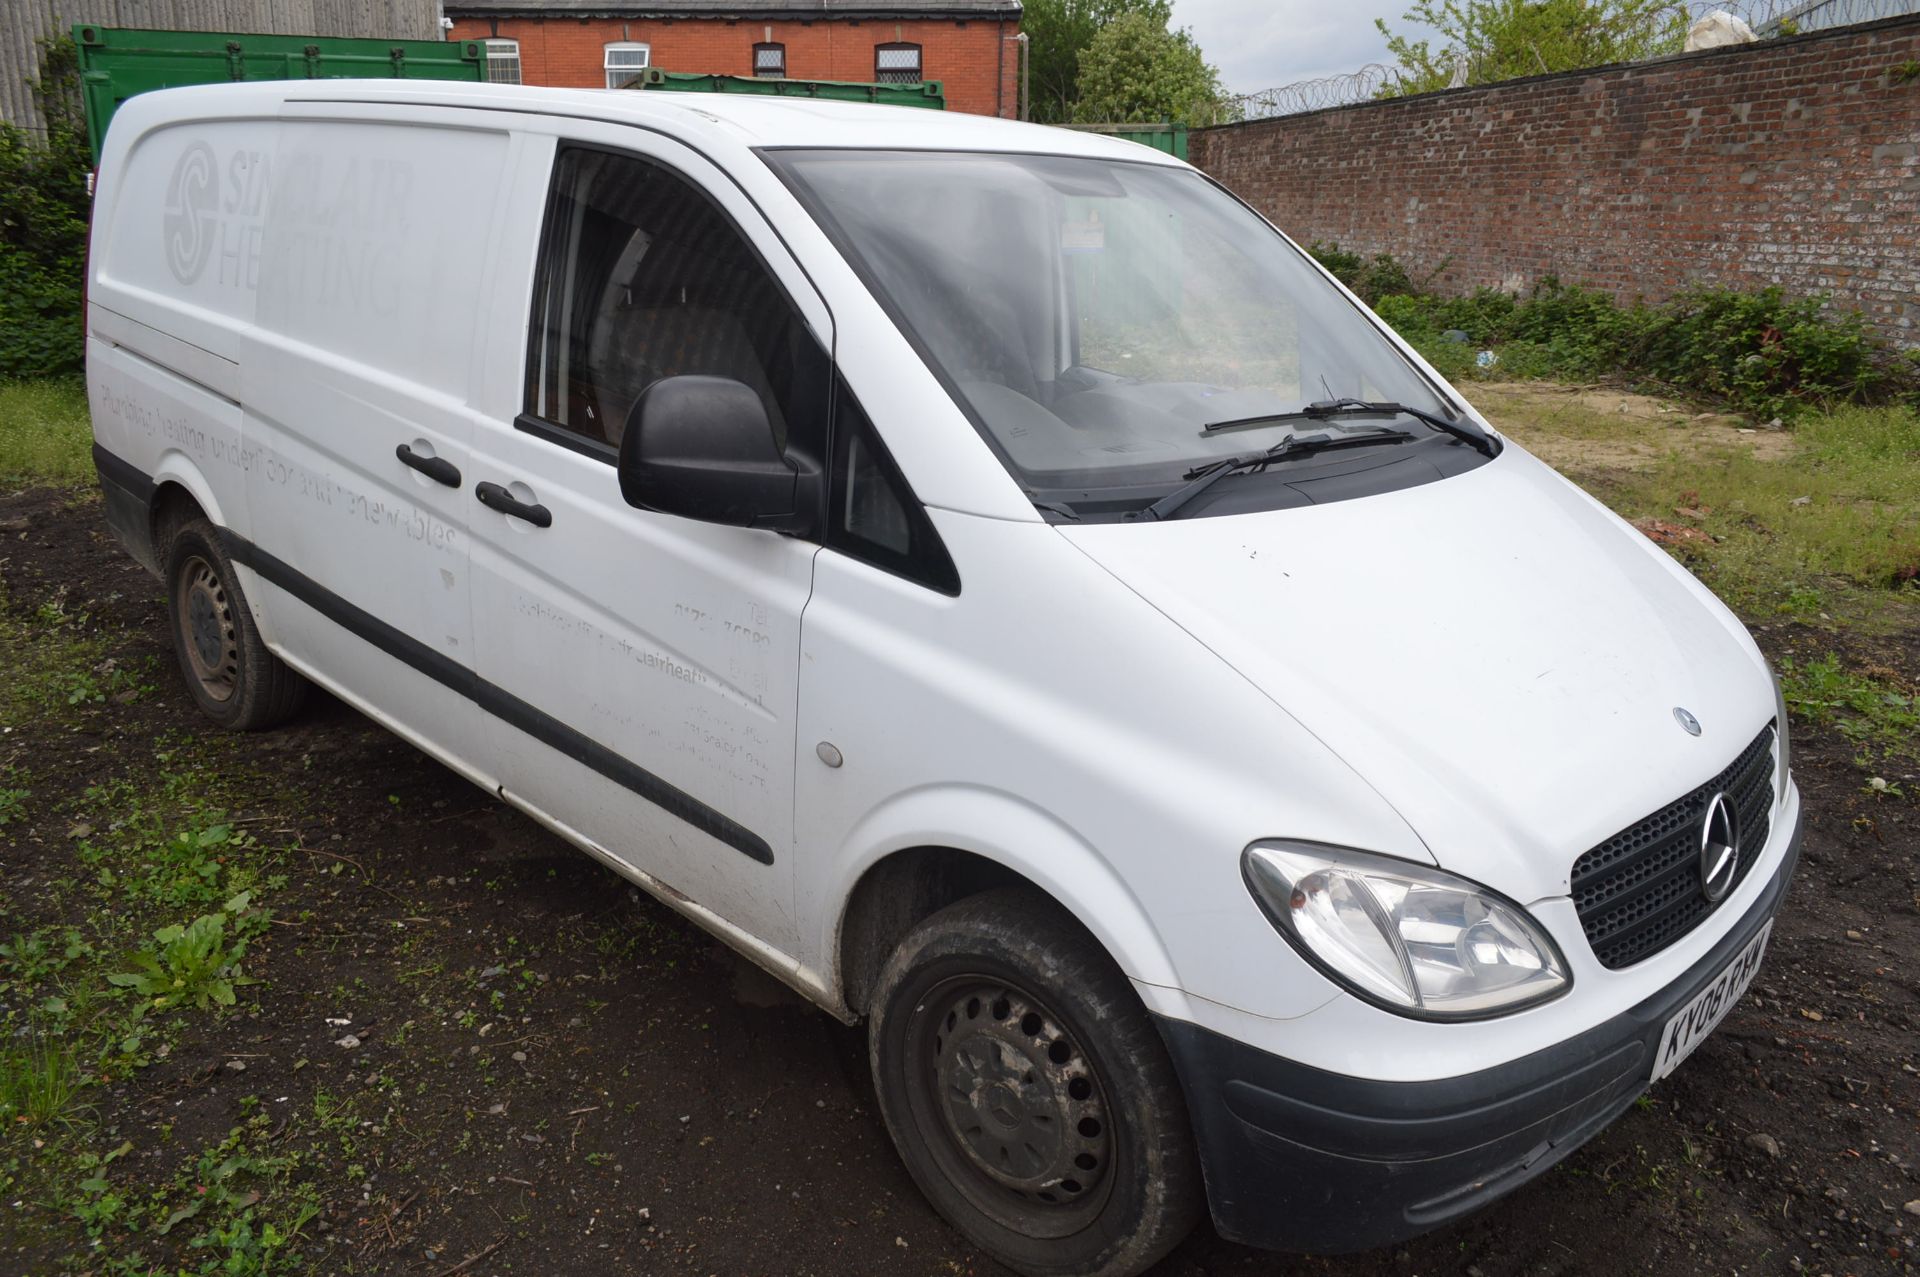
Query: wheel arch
x=180 y=491
x=910 y=867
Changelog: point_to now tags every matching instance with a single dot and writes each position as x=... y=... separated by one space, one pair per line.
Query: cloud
x=1262 y=44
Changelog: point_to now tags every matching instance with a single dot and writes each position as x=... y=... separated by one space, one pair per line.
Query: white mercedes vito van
x=988 y=576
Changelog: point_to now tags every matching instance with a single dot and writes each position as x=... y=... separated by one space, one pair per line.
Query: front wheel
x=1029 y=1094
x=229 y=672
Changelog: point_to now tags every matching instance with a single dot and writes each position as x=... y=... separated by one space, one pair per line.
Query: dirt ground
x=1582 y=429
x=545 y=1072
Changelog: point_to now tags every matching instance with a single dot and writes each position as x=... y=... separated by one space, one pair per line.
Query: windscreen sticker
x=1083 y=235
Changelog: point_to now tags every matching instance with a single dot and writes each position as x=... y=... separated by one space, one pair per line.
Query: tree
x=43 y=224
x=1486 y=41
x=1137 y=71
x=1057 y=32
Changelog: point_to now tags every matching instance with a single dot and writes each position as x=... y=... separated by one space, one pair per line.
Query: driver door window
x=641 y=277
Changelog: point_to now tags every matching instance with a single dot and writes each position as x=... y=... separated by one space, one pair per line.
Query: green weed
x=29 y=959
x=197 y=964
x=187 y=869
x=1879 y=717
x=13 y=805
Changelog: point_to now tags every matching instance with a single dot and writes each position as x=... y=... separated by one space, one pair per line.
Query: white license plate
x=1693 y=1022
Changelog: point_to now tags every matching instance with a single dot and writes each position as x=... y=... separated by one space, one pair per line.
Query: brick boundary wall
x=1793 y=162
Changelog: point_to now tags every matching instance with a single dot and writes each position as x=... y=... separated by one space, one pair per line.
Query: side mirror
x=702 y=448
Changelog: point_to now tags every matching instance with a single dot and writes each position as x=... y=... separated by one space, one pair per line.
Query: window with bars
x=897 y=63
x=625 y=63
x=770 y=61
x=503 y=61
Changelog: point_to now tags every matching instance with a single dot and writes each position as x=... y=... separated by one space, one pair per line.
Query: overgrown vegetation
x=1763 y=353
x=43 y=225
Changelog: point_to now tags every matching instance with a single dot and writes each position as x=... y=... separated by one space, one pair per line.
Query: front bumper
x=1300 y=1159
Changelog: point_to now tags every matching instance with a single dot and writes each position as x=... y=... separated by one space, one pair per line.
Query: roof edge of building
x=742 y=12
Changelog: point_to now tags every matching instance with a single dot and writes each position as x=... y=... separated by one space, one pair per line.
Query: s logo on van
x=190 y=213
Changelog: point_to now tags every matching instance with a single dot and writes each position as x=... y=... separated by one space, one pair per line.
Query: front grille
x=1639 y=891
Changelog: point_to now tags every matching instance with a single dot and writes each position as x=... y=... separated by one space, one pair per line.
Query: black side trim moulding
x=496 y=701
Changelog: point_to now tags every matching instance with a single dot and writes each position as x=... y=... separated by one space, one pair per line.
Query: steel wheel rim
x=1011 y=1106
x=209 y=637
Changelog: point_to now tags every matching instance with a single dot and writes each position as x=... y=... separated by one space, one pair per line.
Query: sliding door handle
x=437 y=469
x=495 y=497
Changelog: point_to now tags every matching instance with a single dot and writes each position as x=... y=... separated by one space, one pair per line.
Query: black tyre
x=229 y=672
x=1029 y=1094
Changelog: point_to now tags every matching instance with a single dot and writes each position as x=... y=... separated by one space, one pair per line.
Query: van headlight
x=1408 y=938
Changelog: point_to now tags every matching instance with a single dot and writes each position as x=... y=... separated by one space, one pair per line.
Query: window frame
x=494 y=46
x=526 y=419
x=932 y=567
x=769 y=45
x=881 y=74
x=631 y=73
x=927 y=562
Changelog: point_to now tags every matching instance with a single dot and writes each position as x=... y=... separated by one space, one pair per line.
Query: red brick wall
x=976 y=59
x=1791 y=162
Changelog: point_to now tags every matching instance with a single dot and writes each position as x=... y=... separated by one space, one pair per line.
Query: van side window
x=872 y=514
x=640 y=277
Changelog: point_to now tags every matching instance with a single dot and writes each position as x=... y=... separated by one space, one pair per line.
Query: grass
x=40 y=1081
x=1842 y=509
x=45 y=435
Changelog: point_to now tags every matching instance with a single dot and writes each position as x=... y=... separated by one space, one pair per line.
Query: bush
x=43 y=226
x=1372 y=279
x=1762 y=352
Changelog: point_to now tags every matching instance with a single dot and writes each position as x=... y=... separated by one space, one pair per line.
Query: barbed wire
x=1309 y=95
x=1772 y=17
x=1767 y=18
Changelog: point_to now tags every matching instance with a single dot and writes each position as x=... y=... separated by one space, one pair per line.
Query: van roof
x=741 y=119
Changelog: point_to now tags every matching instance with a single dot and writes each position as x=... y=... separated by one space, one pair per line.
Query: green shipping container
x=924 y=93
x=118 y=62
x=1171 y=138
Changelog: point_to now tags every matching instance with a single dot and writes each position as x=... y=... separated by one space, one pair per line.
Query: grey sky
x=1260 y=44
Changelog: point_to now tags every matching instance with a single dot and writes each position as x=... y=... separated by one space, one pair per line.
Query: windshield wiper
x=1202 y=477
x=1328 y=409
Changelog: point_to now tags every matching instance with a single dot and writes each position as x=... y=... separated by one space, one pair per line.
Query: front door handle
x=438 y=469
x=495 y=497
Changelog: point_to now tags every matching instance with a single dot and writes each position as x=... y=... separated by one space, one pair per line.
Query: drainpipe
x=1026 y=76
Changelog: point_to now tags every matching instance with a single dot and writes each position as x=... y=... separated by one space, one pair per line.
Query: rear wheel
x=1029 y=1094
x=229 y=672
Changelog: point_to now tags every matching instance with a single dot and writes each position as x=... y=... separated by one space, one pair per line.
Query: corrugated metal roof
x=762 y=9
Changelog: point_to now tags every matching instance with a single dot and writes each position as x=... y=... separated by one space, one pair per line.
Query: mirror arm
x=808 y=516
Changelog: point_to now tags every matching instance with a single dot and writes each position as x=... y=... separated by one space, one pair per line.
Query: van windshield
x=1094 y=316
